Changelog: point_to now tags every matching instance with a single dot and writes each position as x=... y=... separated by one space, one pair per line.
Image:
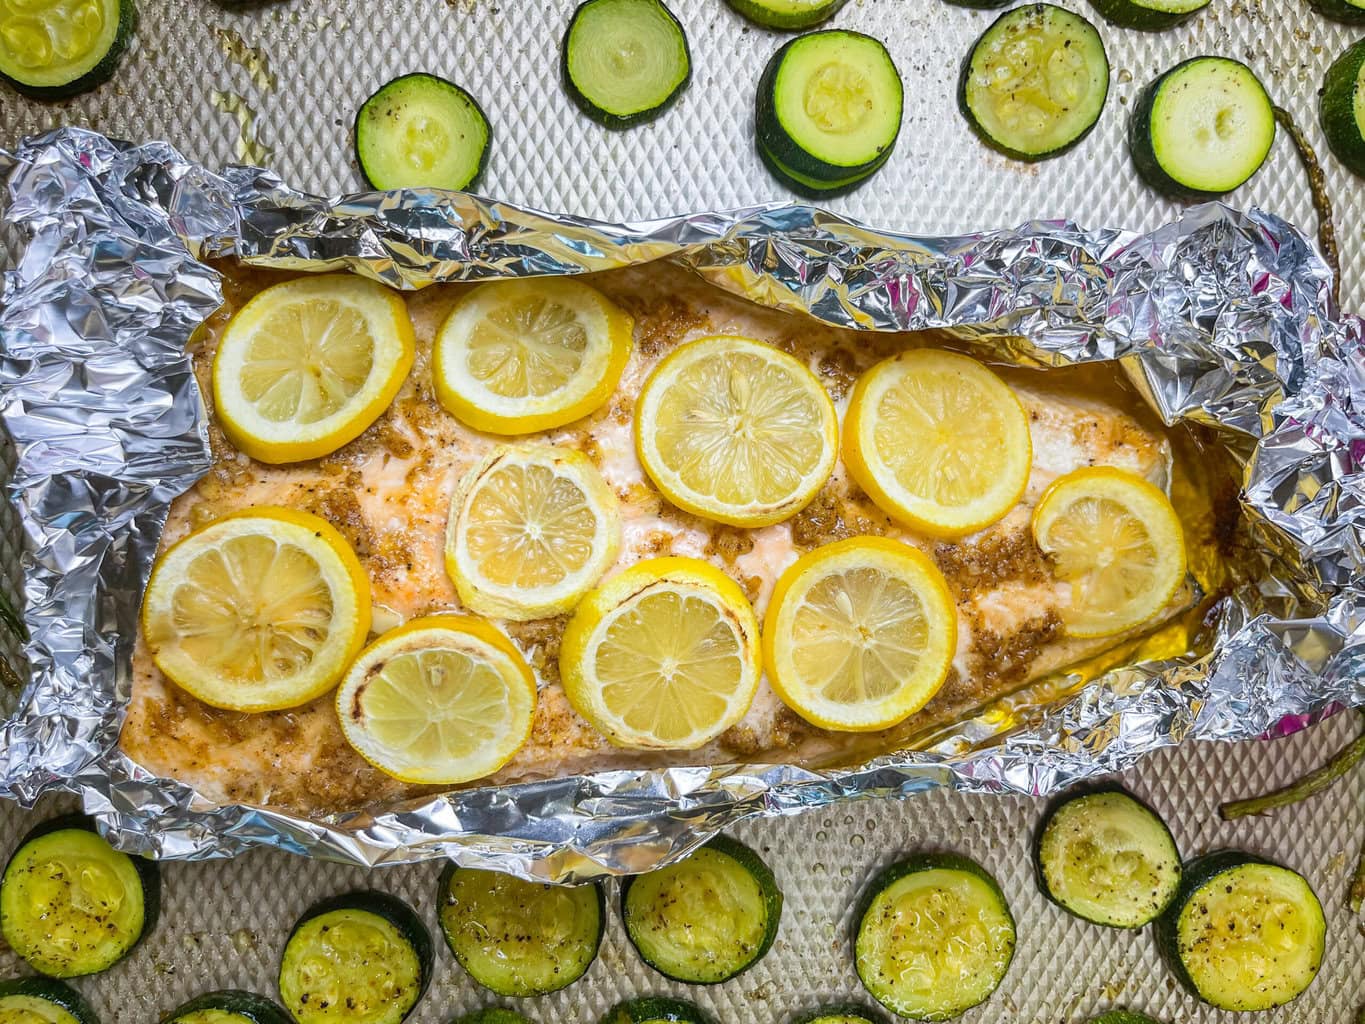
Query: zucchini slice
x=656 y=1010
x=362 y=958
x=43 y=1001
x=934 y=937
x=845 y=1014
x=70 y=904
x=492 y=1015
x=1243 y=933
x=829 y=108
x=1151 y=15
x=420 y=131
x=1106 y=857
x=707 y=918
x=814 y=187
x=57 y=49
x=980 y=5
x=1123 y=1017
x=1352 y=12
x=519 y=938
x=229 y=1006
x=787 y=15
x=1035 y=82
x=1202 y=128
x=1343 y=107
x=625 y=61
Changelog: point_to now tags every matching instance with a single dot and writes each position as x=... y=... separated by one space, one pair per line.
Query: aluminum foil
x=1223 y=317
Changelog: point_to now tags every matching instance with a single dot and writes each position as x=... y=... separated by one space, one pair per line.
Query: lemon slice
x=258 y=611
x=306 y=366
x=938 y=441
x=664 y=656
x=736 y=431
x=1117 y=541
x=441 y=700
x=533 y=531
x=859 y=634
x=515 y=357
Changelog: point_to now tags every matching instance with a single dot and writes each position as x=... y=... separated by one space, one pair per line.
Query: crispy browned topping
x=539 y=642
x=339 y=505
x=998 y=556
x=839 y=371
x=661 y=323
x=998 y=659
x=729 y=543
x=741 y=740
x=831 y=517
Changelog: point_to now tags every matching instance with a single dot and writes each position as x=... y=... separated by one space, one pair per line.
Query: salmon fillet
x=389 y=493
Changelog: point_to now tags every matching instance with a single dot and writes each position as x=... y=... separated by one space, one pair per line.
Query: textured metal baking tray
x=279 y=84
x=224 y=923
x=297 y=71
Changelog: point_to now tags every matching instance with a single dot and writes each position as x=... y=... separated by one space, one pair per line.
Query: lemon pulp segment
x=664 y=655
x=534 y=529
x=859 y=634
x=516 y=357
x=444 y=699
x=938 y=441
x=306 y=366
x=734 y=430
x=258 y=611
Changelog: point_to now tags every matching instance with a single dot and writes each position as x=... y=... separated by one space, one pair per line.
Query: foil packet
x=1223 y=318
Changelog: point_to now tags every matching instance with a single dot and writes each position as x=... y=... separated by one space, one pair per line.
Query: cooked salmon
x=389 y=493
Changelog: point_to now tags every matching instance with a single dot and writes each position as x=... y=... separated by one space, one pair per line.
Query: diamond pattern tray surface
x=224 y=924
x=278 y=84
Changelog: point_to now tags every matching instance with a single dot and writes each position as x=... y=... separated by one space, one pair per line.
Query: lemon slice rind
x=1001 y=461
x=594 y=373
x=487 y=486
x=815 y=439
x=393 y=345
x=293 y=532
x=1150 y=509
x=589 y=640
x=499 y=698
x=889 y=559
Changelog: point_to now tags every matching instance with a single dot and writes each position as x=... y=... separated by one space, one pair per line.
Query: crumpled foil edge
x=1225 y=318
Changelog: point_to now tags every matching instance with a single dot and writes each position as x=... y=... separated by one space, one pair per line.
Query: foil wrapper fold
x=1223 y=318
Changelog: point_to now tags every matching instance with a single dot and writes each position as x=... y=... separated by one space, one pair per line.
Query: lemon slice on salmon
x=516 y=357
x=859 y=634
x=306 y=366
x=1117 y=541
x=533 y=531
x=938 y=441
x=257 y=611
x=442 y=700
x=735 y=430
x=663 y=656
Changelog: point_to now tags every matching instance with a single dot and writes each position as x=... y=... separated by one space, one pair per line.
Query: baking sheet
x=196 y=69
x=224 y=924
x=191 y=78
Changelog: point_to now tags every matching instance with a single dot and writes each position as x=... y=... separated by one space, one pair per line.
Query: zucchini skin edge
x=1345 y=137
x=772 y=902
x=1076 y=793
x=56 y=992
x=443 y=883
x=620 y=122
x=96 y=76
x=148 y=871
x=1195 y=874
